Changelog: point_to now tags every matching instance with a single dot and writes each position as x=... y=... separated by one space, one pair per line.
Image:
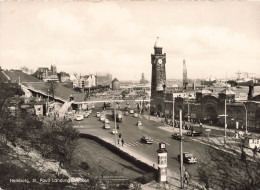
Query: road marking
x=128 y=144
x=159 y=140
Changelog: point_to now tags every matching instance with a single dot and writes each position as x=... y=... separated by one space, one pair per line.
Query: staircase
x=64 y=108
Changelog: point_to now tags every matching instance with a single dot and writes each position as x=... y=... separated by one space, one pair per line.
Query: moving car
x=194 y=133
x=176 y=136
x=135 y=114
x=147 y=140
x=114 y=131
x=106 y=121
x=102 y=118
x=139 y=123
x=79 y=117
x=131 y=111
x=98 y=114
x=93 y=106
x=119 y=117
x=188 y=158
x=106 y=126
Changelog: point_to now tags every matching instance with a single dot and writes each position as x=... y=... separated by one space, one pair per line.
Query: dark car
x=188 y=158
x=194 y=133
x=147 y=140
x=176 y=136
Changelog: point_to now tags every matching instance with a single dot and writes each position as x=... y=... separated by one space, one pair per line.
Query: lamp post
x=48 y=103
x=225 y=128
x=181 y=154
x=173 y=121
x=246 y=115
x=115 y=123
x=225 y=121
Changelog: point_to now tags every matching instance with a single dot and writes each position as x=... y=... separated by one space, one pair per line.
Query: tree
x=229 y=168
x=9 y=109
x=58 y=141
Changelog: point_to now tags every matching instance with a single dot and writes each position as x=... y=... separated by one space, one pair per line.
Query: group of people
x=122 y=141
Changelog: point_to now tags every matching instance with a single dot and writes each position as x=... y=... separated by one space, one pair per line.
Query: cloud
x=55 y=21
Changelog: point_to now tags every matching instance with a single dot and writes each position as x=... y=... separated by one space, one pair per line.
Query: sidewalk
x=173 y=179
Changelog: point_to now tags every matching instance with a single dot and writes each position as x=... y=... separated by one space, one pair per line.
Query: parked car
x=147 y=140
x=176 y=136
x=187 y=127
x=106 y=121
x=131 y=111
x=188 y=158
x=98 y=114
x=194 y=133
x=136 y=115
x=79 y=117
x=86 y=114
x=139 y=123
x=114 y=131
x=126 y=113
x=106 y=126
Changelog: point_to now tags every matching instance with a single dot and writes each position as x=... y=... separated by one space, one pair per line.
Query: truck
x=119 y=115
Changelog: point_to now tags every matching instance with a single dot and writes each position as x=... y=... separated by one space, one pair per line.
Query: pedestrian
x=243 y=156
x=186 y=177
x=117 y=125
x=118 y=141
x=255 y=151
x=122 y=141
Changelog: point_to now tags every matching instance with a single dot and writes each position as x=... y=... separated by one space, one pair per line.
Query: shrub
x=146 y=178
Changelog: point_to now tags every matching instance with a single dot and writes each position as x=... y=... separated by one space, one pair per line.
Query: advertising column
x=162 y=162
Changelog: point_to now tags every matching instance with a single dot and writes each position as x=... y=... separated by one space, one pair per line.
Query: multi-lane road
x=132 y=134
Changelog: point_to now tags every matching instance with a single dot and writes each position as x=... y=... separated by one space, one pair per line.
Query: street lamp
x=246 y=114
x=48 y=102
x=115 y=122
x=173 y=121
x=181 y=154
x=225 y=115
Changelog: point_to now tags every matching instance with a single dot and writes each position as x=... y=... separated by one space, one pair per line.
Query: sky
x=216 y=38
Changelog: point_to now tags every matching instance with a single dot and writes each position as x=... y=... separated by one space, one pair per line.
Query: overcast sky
x=215 y=38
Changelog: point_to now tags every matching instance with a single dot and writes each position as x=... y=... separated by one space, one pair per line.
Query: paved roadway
x=132 y=134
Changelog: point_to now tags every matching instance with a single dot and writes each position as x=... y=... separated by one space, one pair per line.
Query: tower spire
x=185 y=78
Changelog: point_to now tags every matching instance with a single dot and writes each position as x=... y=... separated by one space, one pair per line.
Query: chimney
x=250 y=92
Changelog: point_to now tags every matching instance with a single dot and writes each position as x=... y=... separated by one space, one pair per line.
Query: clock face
x=159 y=61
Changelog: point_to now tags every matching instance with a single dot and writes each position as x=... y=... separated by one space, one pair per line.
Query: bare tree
x=229 y=167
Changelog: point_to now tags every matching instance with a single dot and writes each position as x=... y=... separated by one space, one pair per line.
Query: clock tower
x=158 y=84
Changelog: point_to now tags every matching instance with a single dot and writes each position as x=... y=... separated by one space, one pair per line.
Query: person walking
x=255 y=151
x=186 y=177
x=122 y=141
x=118 y=141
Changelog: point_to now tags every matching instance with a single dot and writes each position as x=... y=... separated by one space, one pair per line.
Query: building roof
x=60 y=92
x=205 y=91
x=15 y=74
x=227 y=92
x=115 y=80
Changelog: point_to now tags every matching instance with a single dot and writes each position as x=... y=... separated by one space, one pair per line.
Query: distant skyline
x=215 y=38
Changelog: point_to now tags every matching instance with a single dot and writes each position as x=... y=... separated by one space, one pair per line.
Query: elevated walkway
x=64 y=108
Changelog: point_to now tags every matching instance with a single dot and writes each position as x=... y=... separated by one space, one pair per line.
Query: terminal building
x=201 y=105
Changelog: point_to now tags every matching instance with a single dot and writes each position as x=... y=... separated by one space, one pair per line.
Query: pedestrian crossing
x=137 y=143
